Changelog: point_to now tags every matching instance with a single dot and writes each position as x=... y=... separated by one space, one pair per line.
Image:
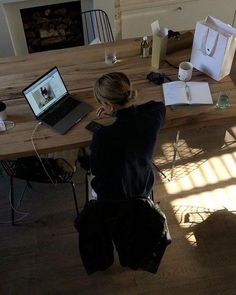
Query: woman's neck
x=121 y=107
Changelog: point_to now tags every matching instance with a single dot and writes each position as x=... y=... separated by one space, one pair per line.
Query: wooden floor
x=40 y=255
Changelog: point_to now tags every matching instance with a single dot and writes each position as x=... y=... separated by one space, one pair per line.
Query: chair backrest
x=33 y=169
x=96 y=26
x=9 y=167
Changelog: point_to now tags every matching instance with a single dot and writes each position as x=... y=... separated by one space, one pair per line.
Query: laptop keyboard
x=61 y=111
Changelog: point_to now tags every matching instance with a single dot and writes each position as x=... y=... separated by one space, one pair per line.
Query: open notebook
x=179 y=93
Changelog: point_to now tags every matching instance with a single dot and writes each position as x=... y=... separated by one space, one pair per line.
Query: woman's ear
x=109 y=106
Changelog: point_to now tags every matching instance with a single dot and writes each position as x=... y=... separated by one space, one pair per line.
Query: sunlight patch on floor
x=207 y=188
x=215 y=170
x=204 y=179
x=189 y=216
x=193 y=209
x=203 y=199
x=184 y=151
x=190 y=237
x=227 y=197
x=213 y=200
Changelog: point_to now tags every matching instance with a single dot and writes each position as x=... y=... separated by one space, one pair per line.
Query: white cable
x=25 y=214
x=21 y=197
x=13 y=208
x=32 y=141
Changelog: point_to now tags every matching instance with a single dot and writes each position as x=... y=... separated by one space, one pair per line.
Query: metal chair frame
x=175 y=147
x=96 y=24
x=9 y=167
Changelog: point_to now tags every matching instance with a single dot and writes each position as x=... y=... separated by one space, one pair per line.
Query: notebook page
x=175 y=93
x=199 y=93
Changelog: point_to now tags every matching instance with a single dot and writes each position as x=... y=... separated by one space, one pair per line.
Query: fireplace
x=12 y=34
x=53 y=26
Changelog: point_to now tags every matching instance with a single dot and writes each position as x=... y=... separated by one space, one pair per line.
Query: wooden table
x=80 y=67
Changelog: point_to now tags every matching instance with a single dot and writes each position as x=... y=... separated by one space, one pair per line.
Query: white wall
x=178 y=17
x=6 y=48
x=109 y=7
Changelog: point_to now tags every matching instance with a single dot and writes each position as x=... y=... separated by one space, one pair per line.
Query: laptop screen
x=45 y=92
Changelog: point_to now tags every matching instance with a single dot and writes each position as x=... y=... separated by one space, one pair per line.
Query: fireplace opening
x=53 y=26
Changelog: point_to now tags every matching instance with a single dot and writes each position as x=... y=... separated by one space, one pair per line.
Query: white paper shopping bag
x=213 y=48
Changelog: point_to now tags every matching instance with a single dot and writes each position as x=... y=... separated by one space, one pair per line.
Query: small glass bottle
x=145 y=47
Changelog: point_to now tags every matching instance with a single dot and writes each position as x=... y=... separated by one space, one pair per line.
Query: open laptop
x=52 y=104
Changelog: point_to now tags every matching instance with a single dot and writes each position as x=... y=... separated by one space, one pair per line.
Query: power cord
x=171 y=65
x=34 y=146
x=25 y=214
x=16 y=209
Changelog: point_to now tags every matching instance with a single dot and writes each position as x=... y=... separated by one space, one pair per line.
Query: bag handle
x=209 y=42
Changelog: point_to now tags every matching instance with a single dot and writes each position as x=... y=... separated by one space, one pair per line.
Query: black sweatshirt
x=121 y=154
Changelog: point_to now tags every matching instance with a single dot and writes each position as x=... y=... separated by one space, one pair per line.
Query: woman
x=121 y=153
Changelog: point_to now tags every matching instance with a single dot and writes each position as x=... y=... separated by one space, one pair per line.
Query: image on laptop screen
x=45 y=92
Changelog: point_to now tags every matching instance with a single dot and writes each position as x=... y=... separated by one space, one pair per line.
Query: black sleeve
x=159 y=109
x=95 y=147
x=156 y=111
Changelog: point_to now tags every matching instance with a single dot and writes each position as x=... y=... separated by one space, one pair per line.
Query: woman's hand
x=101 y=113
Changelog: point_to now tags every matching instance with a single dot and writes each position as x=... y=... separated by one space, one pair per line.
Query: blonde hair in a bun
x=114 y=87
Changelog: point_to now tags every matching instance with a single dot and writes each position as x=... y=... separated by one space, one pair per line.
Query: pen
x=188 y=92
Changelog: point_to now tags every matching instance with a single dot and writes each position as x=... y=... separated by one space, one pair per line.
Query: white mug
x=3 y=112
x=185 y=71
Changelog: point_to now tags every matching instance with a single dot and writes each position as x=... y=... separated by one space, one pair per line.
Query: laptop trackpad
x=72 y=118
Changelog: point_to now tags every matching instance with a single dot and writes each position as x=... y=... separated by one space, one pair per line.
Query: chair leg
x=12 y=201
x=159 y=170
x=75 y=199
x=175 y=145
